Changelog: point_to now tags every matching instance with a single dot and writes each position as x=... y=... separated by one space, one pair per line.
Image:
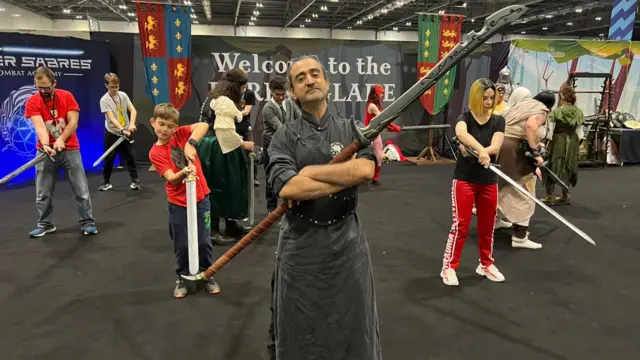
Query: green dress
x=227 y=177
x=564 y=148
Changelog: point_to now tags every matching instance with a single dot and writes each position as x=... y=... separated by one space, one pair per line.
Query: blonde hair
x=476 y=95
x=111 y=78
x=166 y=111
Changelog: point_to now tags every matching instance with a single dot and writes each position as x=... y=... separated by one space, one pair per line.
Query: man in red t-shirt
x=54 y=113
x=175 y=143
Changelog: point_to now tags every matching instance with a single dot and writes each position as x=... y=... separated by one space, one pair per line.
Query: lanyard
x=51 y=110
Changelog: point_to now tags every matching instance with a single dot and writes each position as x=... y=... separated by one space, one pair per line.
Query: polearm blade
x=109 y=150
x=468 y=43
x=541 y=204
x=35 y=161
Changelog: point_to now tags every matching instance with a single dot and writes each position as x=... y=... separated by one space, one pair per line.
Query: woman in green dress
x=222 y=154
x=566 y=126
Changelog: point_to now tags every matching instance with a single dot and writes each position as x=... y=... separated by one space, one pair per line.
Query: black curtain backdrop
x=126 y=60
x=499 y=59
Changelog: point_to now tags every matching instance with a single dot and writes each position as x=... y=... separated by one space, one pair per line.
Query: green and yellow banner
x=438 y=34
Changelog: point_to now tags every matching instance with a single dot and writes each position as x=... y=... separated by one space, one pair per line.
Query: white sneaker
x=501 y=224
x=449 y=277
x=524 y=243
x=474 y=211
x=491 y=272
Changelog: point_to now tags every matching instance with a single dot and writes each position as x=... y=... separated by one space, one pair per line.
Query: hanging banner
x=165 y=39
x=438 y=34
x=623 y=15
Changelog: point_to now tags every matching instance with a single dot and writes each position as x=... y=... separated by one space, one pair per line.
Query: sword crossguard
x=46 y=153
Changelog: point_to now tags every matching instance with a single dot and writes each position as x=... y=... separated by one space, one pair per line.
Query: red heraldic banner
x=438 y=34
x=165 y=39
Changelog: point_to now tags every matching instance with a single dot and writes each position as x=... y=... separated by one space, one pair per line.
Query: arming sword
x=506 y=177
x=550 y=173
x=35 y=161
x=469 y=42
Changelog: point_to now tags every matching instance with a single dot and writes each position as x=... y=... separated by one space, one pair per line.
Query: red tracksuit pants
x=463 y=196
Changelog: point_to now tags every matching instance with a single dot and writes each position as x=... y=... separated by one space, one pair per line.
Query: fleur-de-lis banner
x=438 y=34
x=165 y=39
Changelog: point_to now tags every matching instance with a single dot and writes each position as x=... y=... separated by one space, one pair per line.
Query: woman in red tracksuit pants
x=478 y=129
x=374 y=107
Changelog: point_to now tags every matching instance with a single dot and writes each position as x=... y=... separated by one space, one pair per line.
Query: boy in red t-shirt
x=54 y=113
x=174 y=144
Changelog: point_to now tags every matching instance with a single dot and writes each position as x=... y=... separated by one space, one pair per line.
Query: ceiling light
x=569 y=23
x=408 y=23
x=579 y=10
x=259 y=5
x=196 y=22
x=523 y=32
x=545 y=28
x=251 y=23
x=66 y=11
x=301 y=25
x=78 y=16
x=187 y=2
x=307 y=20
x=598 y=18
x=256 y=12
x=349 y=27
x=464 y=5
x=395 y=28
x=324 y=8
x=123 y=7
x=549 y=16
x=473 y=20
x=359 y=22
x=333 y=0
x=16 y=15
x=314 y=15
x=253 y=18
x=131 y=14
x=2 y=9
x=441 y=12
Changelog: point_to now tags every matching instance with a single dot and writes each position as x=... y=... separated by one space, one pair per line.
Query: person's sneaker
x=41 y=231
x=211 y=286
x=501 y=224
x=105 y=186
x=491 y=272
x=135 y=185
x=181 y=289
x=89 y=229
x=449 y=277
x=256 y=182
x=524 y=243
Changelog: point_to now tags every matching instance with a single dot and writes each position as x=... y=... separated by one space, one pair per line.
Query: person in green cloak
x=566 y=128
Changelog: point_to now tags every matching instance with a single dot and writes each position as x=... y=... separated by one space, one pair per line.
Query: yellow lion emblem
x=179 y=71
x=151 y=23
x=152 y=43
x=181 y=89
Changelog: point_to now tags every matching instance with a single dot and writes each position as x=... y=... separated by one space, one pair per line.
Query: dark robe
x=324 y=296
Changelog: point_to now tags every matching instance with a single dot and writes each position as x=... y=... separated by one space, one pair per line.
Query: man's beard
x=47 y=95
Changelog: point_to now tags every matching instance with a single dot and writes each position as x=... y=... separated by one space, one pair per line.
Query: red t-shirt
x=54 y=114
x=160 y=156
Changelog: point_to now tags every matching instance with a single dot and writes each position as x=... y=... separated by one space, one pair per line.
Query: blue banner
x=79 y=66
x=623 y=15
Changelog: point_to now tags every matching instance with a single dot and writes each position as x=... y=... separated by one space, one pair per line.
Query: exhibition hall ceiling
x=568 y=18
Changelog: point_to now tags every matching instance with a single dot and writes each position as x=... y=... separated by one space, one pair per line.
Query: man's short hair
x=166 y=111
x=44 y=72
x=111 y=78
x=278 y=83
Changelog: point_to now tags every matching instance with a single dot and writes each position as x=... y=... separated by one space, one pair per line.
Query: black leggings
x=126 y=149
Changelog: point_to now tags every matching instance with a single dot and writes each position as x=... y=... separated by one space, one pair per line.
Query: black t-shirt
x=468 y=168
x=249 y=98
